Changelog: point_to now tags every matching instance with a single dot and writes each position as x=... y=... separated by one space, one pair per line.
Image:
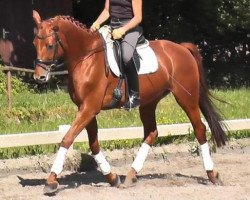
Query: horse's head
x=49 y=48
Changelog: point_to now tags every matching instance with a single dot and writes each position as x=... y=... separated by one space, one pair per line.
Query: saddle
x=136 y=57
x=144 y=58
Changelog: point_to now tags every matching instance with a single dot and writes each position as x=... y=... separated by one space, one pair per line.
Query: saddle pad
x=148 y=60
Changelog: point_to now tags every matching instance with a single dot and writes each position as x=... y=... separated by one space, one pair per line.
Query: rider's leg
x=128 y=48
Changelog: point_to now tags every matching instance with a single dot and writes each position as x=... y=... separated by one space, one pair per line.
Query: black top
x=121 y=9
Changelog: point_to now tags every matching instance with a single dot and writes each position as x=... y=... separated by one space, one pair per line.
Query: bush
x=17 y=85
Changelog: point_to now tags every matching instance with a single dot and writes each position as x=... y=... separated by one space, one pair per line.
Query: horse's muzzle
x=43 y=78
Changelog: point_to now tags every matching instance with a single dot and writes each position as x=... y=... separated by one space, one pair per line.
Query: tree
x=221 y=29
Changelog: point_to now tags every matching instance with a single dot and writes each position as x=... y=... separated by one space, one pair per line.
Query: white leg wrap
x=102 y=163
x=59 y=161
x=141 y=157
x=207 y=161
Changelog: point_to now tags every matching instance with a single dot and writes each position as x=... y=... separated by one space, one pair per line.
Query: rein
x=50 y=65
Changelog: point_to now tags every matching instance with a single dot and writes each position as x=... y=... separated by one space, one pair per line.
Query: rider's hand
x=95 y=26
x=118 y=33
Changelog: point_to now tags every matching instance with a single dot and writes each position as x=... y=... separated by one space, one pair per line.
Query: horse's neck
x=81 y=42
x=80 y=46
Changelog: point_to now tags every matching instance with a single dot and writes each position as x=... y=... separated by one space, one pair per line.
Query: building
x=17 y=27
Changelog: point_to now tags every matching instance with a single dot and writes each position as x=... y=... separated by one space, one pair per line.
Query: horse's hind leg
x=191 y=107
x=103 y=164
x=147 y=115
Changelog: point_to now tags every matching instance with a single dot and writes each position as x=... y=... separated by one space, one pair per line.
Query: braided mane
x=70 y=19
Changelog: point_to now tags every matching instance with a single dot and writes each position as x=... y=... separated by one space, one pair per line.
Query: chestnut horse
x=91 y=83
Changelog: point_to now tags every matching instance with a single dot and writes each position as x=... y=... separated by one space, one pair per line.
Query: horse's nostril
x=42 y=78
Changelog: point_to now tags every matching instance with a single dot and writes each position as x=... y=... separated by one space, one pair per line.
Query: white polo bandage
x=102 y=163
x=59 y=161
x=141 y=157
x=207 y=161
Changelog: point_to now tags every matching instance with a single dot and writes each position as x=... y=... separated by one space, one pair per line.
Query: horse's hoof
x=50 y=188
x=129 y=182
x=214 y=177
x=217 y=180
x=117 y=182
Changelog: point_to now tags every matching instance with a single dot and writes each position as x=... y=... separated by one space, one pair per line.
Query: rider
x=126 y=15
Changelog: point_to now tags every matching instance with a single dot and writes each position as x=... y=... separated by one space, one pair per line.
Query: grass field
x=43 y=112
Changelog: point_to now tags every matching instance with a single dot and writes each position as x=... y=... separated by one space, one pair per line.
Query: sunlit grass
x=44 y=112
x=36 y=112
x=238 y=103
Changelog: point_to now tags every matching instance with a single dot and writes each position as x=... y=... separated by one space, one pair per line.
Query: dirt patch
x=170 y=172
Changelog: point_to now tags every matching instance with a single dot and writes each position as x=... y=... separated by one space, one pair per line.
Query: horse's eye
x=50 y=46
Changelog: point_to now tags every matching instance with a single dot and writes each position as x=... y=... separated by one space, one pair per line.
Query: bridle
x=54 y=63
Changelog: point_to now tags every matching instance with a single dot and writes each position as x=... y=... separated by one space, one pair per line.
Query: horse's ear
x=36 y=17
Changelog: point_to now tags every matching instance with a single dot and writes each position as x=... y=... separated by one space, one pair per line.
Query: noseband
x=50 y=65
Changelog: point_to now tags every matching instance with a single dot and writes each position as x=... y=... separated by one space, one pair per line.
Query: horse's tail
x=207 y=107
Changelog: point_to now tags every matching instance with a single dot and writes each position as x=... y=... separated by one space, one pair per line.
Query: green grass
x=45 y=112
x=36 y=112
x=238 y=103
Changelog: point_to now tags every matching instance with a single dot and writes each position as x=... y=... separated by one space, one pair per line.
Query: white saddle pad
x=148 y=60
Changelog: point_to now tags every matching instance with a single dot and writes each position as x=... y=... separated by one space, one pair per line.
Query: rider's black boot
x=133 y=86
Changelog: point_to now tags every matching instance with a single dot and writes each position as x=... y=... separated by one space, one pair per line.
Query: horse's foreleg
x=103 y=164
x=83 y=117
x=147 y=115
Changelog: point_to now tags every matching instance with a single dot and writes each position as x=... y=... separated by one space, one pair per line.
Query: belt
x=120 y=19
